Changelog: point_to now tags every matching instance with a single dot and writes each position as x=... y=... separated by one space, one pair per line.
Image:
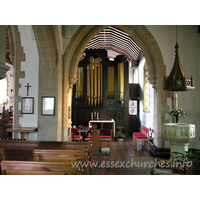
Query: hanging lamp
x=178 y=79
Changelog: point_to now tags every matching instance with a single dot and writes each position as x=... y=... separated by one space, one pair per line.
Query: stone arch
x=17 y=56
x=156 y=68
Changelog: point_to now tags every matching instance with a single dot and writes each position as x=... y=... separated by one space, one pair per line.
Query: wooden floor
x=114 y=162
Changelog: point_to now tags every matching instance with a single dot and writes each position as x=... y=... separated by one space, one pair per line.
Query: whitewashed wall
x=31 y=68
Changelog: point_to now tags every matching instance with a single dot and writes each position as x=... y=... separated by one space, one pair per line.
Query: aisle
x=116 y=163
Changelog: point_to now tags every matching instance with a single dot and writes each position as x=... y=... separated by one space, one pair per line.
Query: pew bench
x=64 y=145
x=48 y=155
x=38 y=168
x=141 y=136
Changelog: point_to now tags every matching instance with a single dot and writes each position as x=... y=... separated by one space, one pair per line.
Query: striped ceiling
x=114 y=39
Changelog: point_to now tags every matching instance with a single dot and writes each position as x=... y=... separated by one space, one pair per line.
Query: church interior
x=106 y=94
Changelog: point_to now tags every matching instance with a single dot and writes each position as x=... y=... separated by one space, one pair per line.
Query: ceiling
x=114 y=39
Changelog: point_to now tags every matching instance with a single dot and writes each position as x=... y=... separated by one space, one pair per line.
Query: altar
x=104 y=122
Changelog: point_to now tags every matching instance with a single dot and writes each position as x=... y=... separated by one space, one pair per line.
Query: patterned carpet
x=116 y=162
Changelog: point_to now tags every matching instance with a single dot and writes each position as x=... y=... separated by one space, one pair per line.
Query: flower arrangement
x=177 y=113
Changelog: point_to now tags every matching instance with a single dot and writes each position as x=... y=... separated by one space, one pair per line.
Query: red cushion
x=89 y=136
x=76 y=136
x=136 y=133
x=105 y=136
x=141 y=136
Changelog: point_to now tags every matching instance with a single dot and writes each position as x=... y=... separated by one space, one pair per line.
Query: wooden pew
x=23 y=144
x=48 y=156
x=38 y=168
x=53 y=145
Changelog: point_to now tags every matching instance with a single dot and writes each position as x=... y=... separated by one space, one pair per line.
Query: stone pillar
x=3 y=67
x=160 y=108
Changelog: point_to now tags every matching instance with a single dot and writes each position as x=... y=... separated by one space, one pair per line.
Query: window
x=133 y=107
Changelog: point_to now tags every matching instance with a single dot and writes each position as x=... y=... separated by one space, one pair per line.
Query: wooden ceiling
x=114 y=39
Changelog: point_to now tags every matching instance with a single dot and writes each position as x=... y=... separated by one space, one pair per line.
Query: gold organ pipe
x=79 y=85
x=118 y=82
x=99 y=82
x=92 y=97
x=95 y=82
x=121 y=81
x=112 y=82
x=108 y=85
x=89 y=71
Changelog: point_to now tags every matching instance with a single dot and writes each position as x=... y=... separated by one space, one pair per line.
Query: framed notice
x=48 y=106
x=27 y=105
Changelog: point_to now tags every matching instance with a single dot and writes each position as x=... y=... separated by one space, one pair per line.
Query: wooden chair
x=75 y=135
x=141 y=136
x=106 y=134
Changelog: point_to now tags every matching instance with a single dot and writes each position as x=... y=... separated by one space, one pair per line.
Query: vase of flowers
x=177 y=113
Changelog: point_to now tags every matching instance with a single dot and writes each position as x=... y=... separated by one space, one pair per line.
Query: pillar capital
x=72 y=81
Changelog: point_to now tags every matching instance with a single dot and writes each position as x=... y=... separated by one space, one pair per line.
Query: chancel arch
x=62 y=68
x=153 y=56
